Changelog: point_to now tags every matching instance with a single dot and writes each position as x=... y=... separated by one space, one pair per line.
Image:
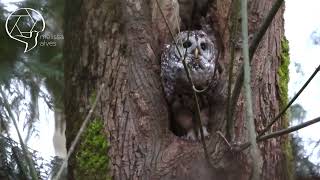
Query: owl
x=201 y=56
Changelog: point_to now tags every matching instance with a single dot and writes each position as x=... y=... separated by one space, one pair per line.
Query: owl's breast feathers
x=177 y=86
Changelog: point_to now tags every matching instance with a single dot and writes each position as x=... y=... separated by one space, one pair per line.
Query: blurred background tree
x=27 y=77
x=315 y=37
x=38 y=70
x=304 y=168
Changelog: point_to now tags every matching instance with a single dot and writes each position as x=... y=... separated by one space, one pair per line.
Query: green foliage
x=91 y=158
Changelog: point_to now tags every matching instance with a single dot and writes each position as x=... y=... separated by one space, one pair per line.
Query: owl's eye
x=203 y=46
x=187 y=44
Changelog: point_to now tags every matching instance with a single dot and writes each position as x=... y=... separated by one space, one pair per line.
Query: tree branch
x=234 y=29
x=290 y=103
x=255 y=42
x=281 y=132
x=254 y=152
x=288 y=130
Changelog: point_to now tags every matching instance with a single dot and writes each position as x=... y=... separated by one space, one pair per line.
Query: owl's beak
x=196 y=53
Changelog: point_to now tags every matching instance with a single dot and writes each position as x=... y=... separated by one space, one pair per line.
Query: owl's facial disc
x=197 y=52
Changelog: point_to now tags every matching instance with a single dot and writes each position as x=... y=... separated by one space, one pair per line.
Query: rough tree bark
x=118 y=43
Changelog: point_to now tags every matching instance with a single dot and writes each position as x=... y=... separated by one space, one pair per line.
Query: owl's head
x=199 y=50
x=201 y=54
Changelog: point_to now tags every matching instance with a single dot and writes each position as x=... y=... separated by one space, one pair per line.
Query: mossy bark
x=283 y=76
x=91 y=158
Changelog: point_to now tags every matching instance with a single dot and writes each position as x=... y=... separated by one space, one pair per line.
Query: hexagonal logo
x=24 y=25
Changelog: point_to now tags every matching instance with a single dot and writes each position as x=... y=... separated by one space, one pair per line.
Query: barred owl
x=201 y=55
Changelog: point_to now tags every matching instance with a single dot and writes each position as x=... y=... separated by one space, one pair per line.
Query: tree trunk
x=119 y=43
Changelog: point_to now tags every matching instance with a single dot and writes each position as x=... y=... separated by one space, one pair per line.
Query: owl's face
x=199 y=51
x=201 y=55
